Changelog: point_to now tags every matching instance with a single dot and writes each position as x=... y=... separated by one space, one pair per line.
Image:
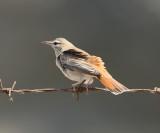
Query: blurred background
x=124 y=33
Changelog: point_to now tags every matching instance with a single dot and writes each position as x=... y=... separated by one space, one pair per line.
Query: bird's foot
x=77 y=88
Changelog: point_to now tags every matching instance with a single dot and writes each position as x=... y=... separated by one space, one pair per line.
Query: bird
x=82 y=67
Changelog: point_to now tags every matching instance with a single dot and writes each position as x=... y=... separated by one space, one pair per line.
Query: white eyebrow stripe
x=56 y=41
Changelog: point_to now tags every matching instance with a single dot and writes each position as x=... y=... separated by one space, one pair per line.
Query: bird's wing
x=76 y=53
x=81 y=66
x=98 y=64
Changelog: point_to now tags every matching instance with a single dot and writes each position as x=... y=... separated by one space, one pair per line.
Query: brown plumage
x=78 y=65
x=105 y=78
x=96 y=62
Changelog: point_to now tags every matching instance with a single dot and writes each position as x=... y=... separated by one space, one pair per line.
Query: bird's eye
x=56 y=43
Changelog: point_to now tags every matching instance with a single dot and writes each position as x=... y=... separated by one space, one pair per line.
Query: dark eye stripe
x=55 y=43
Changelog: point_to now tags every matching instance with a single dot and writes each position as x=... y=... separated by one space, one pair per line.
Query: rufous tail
x=105 y=78
x=112 y=85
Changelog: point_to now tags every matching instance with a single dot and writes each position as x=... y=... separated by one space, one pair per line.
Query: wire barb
x=1 y=84
x=10 y=90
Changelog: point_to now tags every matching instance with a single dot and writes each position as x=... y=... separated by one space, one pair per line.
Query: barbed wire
x=77 y=91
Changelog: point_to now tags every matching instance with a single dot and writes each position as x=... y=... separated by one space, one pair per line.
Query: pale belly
x=75 y=75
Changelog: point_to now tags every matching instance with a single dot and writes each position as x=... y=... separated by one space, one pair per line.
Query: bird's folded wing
x=81 y=66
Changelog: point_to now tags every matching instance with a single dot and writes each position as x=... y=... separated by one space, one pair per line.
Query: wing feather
x=79 y=65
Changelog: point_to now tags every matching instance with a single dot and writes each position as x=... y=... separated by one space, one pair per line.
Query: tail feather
x=112 y=85
x=105 y=78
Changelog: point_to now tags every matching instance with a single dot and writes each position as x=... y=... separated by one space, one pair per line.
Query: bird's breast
x=69 y=73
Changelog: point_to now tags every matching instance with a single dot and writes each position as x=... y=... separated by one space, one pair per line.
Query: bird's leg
x=87 y=86
x=78 y=84
x=76 y=87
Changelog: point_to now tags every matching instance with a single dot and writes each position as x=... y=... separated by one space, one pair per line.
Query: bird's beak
x=47 y=42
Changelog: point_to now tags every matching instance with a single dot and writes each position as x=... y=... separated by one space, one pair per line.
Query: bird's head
x=59 y=45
